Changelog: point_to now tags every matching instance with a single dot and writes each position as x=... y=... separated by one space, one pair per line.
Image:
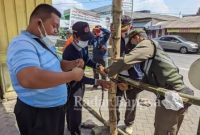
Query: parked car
x=178 y=43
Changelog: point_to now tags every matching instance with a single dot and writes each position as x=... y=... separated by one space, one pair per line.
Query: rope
x=102 y=97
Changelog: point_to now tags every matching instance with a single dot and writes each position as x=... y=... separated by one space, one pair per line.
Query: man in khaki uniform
x=160 y=71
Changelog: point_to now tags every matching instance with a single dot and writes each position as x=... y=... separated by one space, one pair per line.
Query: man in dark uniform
x=78 y=50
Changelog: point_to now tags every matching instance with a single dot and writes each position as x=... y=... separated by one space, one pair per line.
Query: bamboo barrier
x=158 y=90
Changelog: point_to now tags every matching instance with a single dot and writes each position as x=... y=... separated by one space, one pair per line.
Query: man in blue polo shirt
x=38 y=75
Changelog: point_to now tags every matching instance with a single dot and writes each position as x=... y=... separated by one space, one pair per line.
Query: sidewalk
x=8 y=124
x=144 y=123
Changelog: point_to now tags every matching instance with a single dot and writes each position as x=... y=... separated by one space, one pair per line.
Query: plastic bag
x=172 y=101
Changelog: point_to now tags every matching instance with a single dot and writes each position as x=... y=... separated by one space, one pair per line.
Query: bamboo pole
x=96 y=115
x=116 y=36
x=158 y=90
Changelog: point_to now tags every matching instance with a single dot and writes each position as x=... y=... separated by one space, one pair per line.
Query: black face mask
x=126 y=34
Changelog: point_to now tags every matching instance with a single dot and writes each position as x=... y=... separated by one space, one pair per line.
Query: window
x=169 y=39
x=173 y=39
x=165 y=39
x=183 y=39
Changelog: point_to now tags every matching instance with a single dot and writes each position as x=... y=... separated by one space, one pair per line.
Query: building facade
x=14 y=16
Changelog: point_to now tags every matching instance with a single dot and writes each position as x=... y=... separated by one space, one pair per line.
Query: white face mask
x=48 y=40
x=82 y=44
x=52 y=39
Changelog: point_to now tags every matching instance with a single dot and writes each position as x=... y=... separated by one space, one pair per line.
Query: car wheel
x=183 y=50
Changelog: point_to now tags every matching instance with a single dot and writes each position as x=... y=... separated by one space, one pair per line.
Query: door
x=164 y=42
x=174 y=43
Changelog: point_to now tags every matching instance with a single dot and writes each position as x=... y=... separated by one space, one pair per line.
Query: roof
x=186 y=22
x=162 y=24
x=136 y=15
x=170 y=36
x=102 y=9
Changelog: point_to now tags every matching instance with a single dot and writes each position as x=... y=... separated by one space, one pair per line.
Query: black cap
x=126 y=20
x=82 y=30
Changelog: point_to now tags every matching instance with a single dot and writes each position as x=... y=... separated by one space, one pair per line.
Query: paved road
x=144 y=115
x=183 y=61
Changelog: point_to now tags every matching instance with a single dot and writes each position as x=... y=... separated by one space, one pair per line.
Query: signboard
x=157 y=27
x=85 y=16
x=184 y=30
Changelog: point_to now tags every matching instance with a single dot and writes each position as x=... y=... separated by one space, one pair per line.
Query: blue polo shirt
x=24 y=51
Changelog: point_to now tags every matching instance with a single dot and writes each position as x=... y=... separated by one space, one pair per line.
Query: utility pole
x=116 y=37
x=132 y=10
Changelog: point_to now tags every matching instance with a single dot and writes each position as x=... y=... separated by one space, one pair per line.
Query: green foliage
x=62 y=33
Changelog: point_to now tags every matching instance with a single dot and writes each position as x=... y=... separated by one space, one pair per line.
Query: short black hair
x=97 y=26
x=44 y=12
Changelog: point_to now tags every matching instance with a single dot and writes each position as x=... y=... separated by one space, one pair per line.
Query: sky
x=168 y=7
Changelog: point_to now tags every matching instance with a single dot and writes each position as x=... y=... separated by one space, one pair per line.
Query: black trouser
x=102 y=62
x=131 y=95
x=74 y=110
x=39 y=121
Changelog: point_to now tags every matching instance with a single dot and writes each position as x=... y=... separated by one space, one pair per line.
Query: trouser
x=168 y=122
x=39 y=121
x=102 y=62
x=131 y=96
x=74 y=111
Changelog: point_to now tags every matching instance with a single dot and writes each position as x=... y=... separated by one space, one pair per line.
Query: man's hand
x=79 y=63
x=101 y=70
x=104 y=84
x=69 y=65
x=123 y=86
x=78 y=73
x=103 y=48
x=105 y=71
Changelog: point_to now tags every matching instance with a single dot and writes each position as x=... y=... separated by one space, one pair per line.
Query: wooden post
x=116 y=36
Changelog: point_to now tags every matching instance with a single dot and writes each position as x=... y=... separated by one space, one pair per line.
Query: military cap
x=136 y=32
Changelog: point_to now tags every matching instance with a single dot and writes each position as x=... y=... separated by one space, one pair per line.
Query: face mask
x=128 y=32
x=52 y=39
x=48 y=40
x=82 y=44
